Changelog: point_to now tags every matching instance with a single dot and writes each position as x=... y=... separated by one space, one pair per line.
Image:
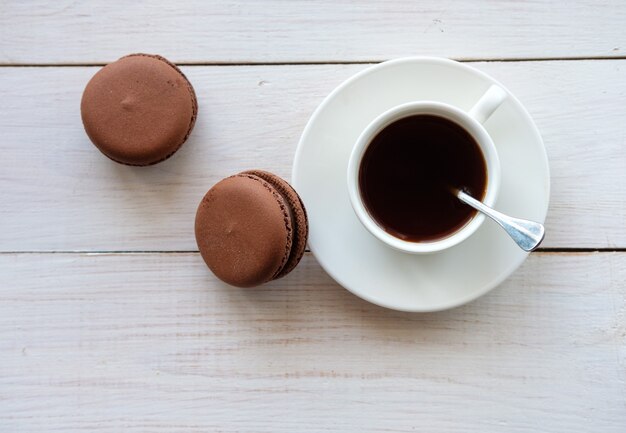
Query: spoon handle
x=527 y=234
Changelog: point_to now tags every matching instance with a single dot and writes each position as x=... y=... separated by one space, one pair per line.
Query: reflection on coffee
x=407 y=171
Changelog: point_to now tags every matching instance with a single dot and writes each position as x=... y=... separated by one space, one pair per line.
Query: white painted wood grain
x=59 y=193
x=152 y=342
x=40 y=31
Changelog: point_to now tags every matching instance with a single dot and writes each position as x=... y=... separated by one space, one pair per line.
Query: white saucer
x=363 y=264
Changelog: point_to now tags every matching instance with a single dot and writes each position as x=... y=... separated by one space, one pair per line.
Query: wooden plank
x=60 y=193
x=152 y=342
x=314 y=31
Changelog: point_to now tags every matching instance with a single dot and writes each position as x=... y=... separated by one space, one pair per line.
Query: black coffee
x=407 y=171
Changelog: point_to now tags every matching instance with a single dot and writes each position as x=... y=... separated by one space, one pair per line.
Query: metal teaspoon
x=527 y=234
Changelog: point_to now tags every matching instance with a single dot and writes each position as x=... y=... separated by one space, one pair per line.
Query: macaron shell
x=139 y=110
x=298 y=213
x=244 y=231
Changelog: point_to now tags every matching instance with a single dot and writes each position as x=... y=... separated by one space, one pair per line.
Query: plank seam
x=130 y=252
x=319 y=63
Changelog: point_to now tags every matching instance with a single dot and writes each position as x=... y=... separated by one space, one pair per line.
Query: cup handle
x=488 y=103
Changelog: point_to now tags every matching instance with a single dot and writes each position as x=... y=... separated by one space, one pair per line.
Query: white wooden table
x=110 y=322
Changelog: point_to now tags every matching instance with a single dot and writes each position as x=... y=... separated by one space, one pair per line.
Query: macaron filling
x=292 y=231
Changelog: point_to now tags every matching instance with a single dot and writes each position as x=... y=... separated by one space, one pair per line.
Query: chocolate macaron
x=251 y=228
x=139 y=109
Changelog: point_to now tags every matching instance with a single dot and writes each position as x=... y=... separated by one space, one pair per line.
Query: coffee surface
x=407 y=171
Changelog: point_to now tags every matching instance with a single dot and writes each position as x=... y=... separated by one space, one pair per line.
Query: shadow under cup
x=403 y=171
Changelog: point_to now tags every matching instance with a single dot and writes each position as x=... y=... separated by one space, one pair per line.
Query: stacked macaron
x=251 y=228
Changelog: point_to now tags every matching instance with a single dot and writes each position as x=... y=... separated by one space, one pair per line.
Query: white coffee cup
x=471 y=122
